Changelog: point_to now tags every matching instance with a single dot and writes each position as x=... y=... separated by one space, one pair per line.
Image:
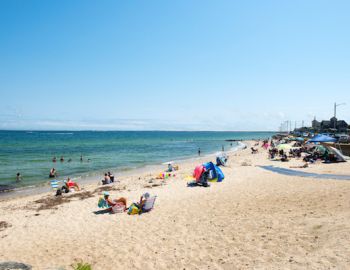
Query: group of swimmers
x=54 y=159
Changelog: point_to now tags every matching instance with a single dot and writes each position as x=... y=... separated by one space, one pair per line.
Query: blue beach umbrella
x=322 y=138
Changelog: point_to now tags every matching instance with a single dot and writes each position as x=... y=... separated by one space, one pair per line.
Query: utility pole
x=335 y=112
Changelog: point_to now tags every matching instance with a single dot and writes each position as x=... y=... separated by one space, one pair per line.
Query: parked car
x=343 y=138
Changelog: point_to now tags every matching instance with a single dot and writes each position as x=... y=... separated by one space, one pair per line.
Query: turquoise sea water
x=31 y=153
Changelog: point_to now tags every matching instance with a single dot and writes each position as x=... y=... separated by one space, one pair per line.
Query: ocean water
x=31 y=153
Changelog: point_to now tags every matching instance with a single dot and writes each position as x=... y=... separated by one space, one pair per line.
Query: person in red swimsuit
x=71 y=184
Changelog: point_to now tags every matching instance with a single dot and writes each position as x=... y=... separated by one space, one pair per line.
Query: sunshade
x=284 y=147
x=322 y=138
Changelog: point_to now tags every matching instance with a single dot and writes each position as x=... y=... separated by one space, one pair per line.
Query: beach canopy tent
x=322 y=138
x=215 y=173
x=198 y=171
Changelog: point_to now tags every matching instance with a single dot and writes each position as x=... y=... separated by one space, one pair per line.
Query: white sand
x=254 y=219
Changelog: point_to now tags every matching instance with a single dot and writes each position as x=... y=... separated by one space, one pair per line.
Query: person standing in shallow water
x=18 y=177
x=199 y=152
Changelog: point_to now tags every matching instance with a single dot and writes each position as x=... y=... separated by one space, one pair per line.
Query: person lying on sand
x=70 y=184
x=114 y=202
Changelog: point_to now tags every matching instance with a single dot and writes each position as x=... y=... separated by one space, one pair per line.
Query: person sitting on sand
x=170 y=167
x=284 y=158
x=114 y=202
x=53 y=173
x=138 y=208
x=106 y=180
x=143 y=199
x=111 y=177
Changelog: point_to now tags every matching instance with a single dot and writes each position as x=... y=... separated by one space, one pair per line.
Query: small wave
x=239 y=146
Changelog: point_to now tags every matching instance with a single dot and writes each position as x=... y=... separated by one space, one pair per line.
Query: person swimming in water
x=62 y=159
x=53 y=173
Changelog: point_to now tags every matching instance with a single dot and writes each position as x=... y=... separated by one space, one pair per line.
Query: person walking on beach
x=199 y=152
x=223 y=149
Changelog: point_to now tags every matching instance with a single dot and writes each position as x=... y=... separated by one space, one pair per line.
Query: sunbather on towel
x=112 y=203
x=70 y=184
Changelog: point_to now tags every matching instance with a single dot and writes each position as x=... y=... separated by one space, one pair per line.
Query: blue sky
x=172 y=65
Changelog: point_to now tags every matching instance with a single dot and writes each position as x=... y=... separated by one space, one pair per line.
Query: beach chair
x=149 y=204
x=55 y=184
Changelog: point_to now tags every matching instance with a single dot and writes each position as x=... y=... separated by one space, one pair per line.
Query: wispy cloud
x=214 y=123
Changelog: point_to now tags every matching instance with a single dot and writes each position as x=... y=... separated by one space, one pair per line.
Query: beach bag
x=133 y=209
x=118 y=208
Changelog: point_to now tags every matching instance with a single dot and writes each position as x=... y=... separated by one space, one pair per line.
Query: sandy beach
x=254 y=219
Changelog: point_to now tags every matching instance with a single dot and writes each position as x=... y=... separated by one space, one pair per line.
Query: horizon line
x=131 y=130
